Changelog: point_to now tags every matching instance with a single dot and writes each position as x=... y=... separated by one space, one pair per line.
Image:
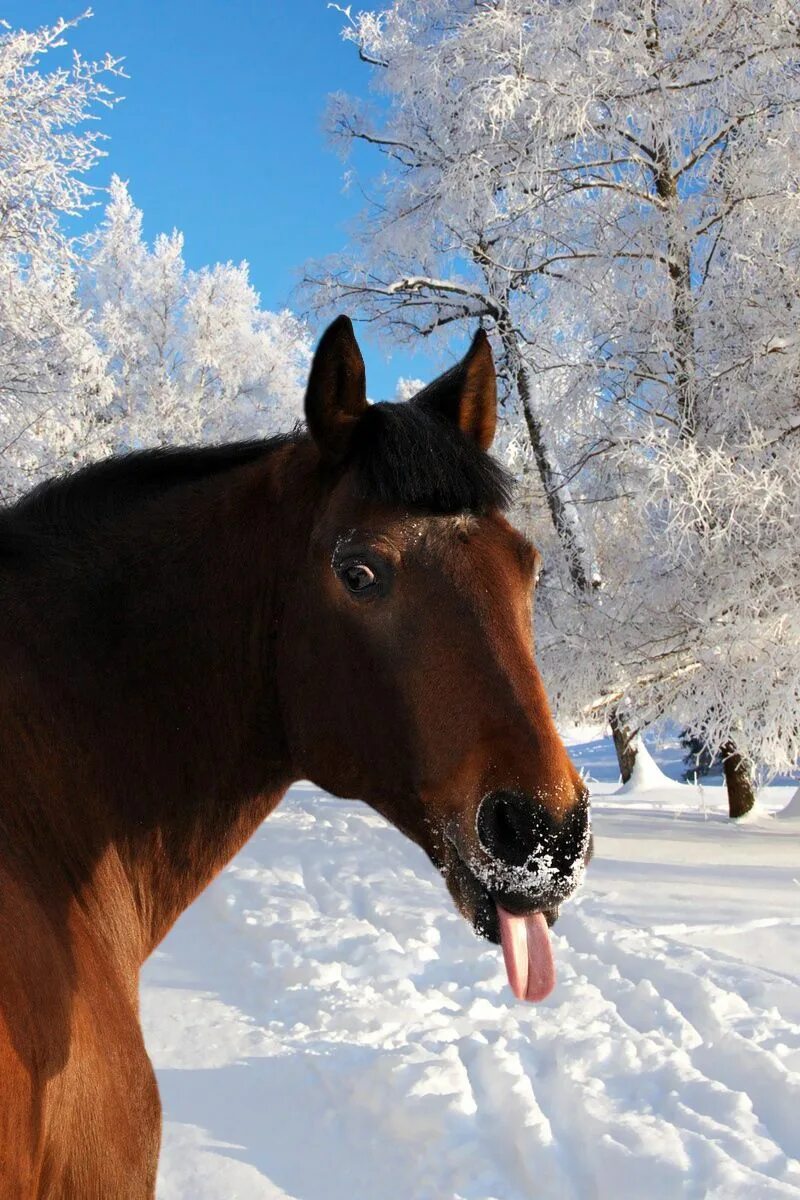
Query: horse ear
x=336 y=396
x=467 y=393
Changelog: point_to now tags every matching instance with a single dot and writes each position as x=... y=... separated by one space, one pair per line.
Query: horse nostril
x=517 y=831
x=511 y=828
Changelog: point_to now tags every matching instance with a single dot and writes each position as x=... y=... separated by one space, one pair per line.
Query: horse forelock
x=404 y=456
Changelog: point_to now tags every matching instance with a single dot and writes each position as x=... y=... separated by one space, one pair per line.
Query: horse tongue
x=528 y=955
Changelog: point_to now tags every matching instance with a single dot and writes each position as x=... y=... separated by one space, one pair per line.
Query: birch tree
x=450 y=238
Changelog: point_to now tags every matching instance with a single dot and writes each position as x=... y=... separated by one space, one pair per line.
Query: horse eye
x=358 y=577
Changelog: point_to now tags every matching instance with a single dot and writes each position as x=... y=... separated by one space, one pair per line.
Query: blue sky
x=221 y=131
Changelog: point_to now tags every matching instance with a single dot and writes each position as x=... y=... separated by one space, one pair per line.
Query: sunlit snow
x=325 y=1027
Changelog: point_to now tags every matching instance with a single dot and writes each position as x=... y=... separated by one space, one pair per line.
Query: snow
x=325 y=1027
x=646 y=774
x=792 y=810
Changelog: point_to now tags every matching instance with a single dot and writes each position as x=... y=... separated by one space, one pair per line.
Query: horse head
x=410 y=608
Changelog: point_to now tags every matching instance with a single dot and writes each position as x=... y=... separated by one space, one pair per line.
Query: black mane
x=401 y=455
x=106 y=488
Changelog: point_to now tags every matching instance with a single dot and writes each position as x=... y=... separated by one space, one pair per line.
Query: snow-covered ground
x=325 y=1027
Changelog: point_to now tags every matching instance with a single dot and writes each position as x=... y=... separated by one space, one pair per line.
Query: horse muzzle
x=511 y=885
x=525 y=861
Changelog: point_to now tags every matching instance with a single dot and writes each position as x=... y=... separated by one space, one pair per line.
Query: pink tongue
x=528 y=955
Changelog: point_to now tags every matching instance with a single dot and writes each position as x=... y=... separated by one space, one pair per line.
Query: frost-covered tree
x=106 y=343
x=191 y=354
x=612 y=189
x=693 y=325
x=51 y=374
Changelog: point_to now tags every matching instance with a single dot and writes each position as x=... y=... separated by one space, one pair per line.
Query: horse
x=187 y=632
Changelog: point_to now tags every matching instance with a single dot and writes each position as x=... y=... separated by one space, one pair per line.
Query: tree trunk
x=624 y=742
x=739 y=782
x=583 y=569
x=680 y=277
x=581 y=563
x=679 y=263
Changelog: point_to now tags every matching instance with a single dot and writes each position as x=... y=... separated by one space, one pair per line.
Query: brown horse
x=184 y=634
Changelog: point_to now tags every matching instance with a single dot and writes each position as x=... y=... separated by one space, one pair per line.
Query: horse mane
x=107 y=488
x=401 y=455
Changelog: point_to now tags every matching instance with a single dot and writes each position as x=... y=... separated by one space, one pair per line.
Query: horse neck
x=167 y=746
